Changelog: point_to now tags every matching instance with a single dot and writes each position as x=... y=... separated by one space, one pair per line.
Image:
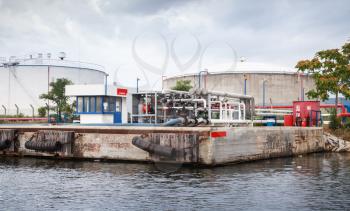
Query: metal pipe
x=174 y=91
x=245 y=84
x=264 y=89
x=232 y=95
x=291 y=107
x=191 y=100
x=200 y=77
x=173 y=122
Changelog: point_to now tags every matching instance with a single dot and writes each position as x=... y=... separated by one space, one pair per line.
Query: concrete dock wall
x=191 y=145
x=254 y=143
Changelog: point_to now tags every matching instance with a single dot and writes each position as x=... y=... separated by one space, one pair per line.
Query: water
x=313 y=182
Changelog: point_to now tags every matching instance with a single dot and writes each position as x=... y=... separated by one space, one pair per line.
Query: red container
x=288 y=120
x=302 y=111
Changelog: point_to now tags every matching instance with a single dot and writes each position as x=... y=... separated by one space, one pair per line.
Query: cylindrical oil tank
x=268 y=84
x=22 y=81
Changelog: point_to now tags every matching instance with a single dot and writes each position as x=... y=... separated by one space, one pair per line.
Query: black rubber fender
x=5 y=144
x=44 y=146
x=153 y=148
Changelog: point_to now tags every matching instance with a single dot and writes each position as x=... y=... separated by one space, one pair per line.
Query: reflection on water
x=317 y=181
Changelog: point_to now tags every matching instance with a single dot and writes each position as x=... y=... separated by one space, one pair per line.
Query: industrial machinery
x=306 y=113
x=193 y=108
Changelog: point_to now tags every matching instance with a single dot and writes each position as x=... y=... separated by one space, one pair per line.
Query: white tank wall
x=281 y=88
x=22 y=85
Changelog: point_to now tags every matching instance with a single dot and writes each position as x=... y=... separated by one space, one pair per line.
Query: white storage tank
x=22 y=81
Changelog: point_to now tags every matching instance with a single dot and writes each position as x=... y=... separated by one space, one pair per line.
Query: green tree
x=182 y=85
x=42 y=111
x=57 y=95
x=331 y=71
x=335 y=121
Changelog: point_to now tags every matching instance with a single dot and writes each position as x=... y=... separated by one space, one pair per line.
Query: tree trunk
x=336 y=103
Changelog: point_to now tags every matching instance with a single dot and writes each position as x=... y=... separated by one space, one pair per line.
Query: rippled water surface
x=313 y=182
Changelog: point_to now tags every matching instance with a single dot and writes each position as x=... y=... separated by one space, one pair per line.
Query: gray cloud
x=102 y=31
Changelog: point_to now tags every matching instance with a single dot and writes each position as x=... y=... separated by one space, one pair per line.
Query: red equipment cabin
x=306 y=113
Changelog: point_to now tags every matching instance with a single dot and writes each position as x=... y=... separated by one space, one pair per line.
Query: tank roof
x=55 y=63
x=243 y=67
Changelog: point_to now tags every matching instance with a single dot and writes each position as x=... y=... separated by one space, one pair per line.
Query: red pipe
x=24 y=119
x=344 y=115
x=291 y=107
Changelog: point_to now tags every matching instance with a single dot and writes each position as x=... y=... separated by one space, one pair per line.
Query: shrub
x=335 y=121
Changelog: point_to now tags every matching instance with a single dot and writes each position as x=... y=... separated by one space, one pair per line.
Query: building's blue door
x=117 y=117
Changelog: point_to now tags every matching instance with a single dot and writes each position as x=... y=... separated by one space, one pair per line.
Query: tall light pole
x=137 y=85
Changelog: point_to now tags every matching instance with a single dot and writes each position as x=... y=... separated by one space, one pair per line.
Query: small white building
x=99 y=104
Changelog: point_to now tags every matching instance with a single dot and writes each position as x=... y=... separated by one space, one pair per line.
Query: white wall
x=96 y=118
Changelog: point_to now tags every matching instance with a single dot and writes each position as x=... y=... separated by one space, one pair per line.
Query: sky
x=147 y=39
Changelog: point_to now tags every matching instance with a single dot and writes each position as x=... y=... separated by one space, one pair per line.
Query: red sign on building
x=121 y=91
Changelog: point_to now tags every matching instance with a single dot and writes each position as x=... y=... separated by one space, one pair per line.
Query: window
x=80 y=104
x=98 y=104
x=86 y=104
x=111 y=105
x=118 y=105
x=92 y=104
x=105 y=104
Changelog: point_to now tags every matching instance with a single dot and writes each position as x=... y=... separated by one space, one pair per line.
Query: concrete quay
x=209 y=146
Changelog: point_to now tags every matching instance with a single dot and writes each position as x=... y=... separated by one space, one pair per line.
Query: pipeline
x=5 y=144
x=153 y=148
x=291 y=107
x=173 y=122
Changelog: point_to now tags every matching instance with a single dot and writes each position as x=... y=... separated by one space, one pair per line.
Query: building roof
x=95 y=90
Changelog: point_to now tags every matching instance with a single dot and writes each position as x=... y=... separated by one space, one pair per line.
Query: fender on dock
x=157 y=149
x=7 y=137
x=5 y=144
x=49 y=140
x=45 y=146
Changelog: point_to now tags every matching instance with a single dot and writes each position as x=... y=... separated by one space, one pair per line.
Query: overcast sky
x=172 y=35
